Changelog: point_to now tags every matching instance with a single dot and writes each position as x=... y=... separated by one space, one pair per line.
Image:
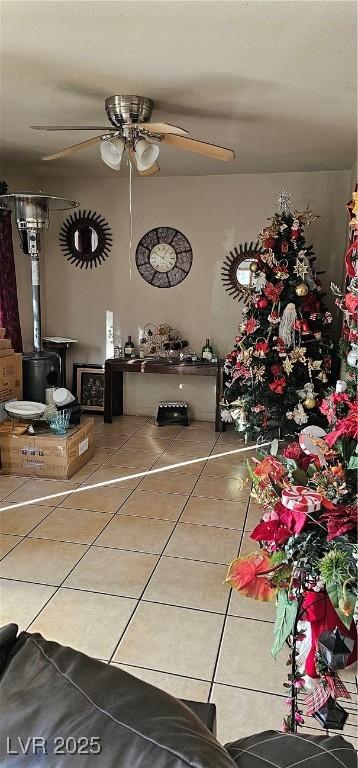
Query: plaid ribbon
x=329 y=685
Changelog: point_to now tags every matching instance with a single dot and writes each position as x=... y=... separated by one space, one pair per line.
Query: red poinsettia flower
x=273 y=292
x=340 y=519
x=347 y=427
x=278 y=385
x=351 y=302
x=251 y=325
x=244 y=576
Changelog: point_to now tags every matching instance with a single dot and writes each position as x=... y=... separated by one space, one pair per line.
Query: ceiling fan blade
x=199 y=147
x=74 y=148
x=73 y=128
x=159 y=128
x=150 y=171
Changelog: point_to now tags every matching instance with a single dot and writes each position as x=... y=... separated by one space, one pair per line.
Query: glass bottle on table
x=207 y=351
x=129 y=347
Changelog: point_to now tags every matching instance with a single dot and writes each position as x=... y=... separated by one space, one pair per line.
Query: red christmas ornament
x=273 y=292
x=284 y=246
x=276 y=369
x=278 y=385
x=262 y=303
x=295 y=232
x=305 y=328
x=261 y=348
x=269 y=242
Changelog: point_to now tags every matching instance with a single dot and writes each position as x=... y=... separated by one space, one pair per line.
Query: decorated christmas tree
x=281 y=363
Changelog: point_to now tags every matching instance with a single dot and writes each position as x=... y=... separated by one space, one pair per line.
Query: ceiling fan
x=131 y=128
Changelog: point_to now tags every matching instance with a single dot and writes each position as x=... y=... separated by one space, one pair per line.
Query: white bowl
x=25 y=409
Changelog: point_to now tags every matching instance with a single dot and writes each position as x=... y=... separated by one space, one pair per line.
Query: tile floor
x=101 y=570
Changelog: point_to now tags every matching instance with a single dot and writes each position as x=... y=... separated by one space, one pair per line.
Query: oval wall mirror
x=85 y=239
x=238 y=272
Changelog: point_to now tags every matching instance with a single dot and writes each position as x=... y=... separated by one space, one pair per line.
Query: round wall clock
x=164 y=257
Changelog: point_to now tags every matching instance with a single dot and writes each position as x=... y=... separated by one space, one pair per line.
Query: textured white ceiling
x=274 y=80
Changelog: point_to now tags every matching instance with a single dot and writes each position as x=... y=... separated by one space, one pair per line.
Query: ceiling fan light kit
x=131 y=128
x=111 y=151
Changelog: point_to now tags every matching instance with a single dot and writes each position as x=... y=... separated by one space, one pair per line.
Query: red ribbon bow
x=329 y=685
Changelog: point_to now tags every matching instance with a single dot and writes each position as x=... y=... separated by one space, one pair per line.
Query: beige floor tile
x=107 y=499
x=254 y=515
x=196 y=436
x=220 y=468
x=225 y=514
x=113 y=571
x=7 y=543
x=129 y=458
x=38 y=488
x=167 y=482
x=231 y=437
x=177 y=640
x=8 y=484
x=205 y=426
x=77 y=525
x=109 y=441
x=165 y=506
x=85 y=621
x=20 y=602
x=84 y=473
x=185 y=450
x=250 y=609
x=188 y=583
x=187 y=469
x=113 y=473
x=180 y=687
x=21 y=520
x=151 y=430
x=242 y=713
x=148 y=444
x=221 y=488
x=204 y=542
x=247 y=544
x=41 y=561
x=102 y=454
x=141 y=534
x=245 y=659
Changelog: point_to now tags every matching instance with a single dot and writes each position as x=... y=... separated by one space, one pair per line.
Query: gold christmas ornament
x=306 y=217
x=254 y=266
x=298 y=355
x=288 y=366
x=309 y=403
x=301 y=289
x=322 y=377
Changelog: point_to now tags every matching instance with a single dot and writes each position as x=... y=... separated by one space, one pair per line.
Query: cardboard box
x=48 y=455
x=11 y=377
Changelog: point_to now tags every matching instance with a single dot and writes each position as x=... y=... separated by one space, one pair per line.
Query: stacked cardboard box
x=48 y=455
x=10 y=373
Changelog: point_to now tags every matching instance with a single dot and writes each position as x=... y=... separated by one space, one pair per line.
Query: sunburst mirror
x=238 y=270
x=85 y=239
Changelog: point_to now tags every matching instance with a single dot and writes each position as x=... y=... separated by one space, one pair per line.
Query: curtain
x=9 y=309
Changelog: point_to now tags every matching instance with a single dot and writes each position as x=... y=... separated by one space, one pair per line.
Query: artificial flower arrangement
x=307 y=556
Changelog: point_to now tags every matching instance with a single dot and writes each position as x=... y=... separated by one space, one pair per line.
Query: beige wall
x=215 y=213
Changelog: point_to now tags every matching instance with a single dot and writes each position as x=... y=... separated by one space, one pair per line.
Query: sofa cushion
x=53 y=692
x=272 y=749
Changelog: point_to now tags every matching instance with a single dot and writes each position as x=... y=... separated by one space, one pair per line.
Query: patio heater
x=41 y=368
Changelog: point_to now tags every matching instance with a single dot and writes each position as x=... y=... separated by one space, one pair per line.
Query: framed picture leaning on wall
x=88 y=386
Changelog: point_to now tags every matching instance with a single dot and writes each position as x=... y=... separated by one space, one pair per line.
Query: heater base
x=40 y=370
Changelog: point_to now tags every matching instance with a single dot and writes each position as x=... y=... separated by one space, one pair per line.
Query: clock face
x=164 y=257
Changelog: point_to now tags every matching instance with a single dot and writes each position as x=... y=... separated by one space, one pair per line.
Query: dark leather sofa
x=60 y=708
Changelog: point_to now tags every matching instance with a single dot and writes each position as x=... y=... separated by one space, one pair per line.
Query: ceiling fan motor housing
x=128 y=109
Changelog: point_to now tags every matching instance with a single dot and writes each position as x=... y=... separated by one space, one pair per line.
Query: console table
x=116 y=367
